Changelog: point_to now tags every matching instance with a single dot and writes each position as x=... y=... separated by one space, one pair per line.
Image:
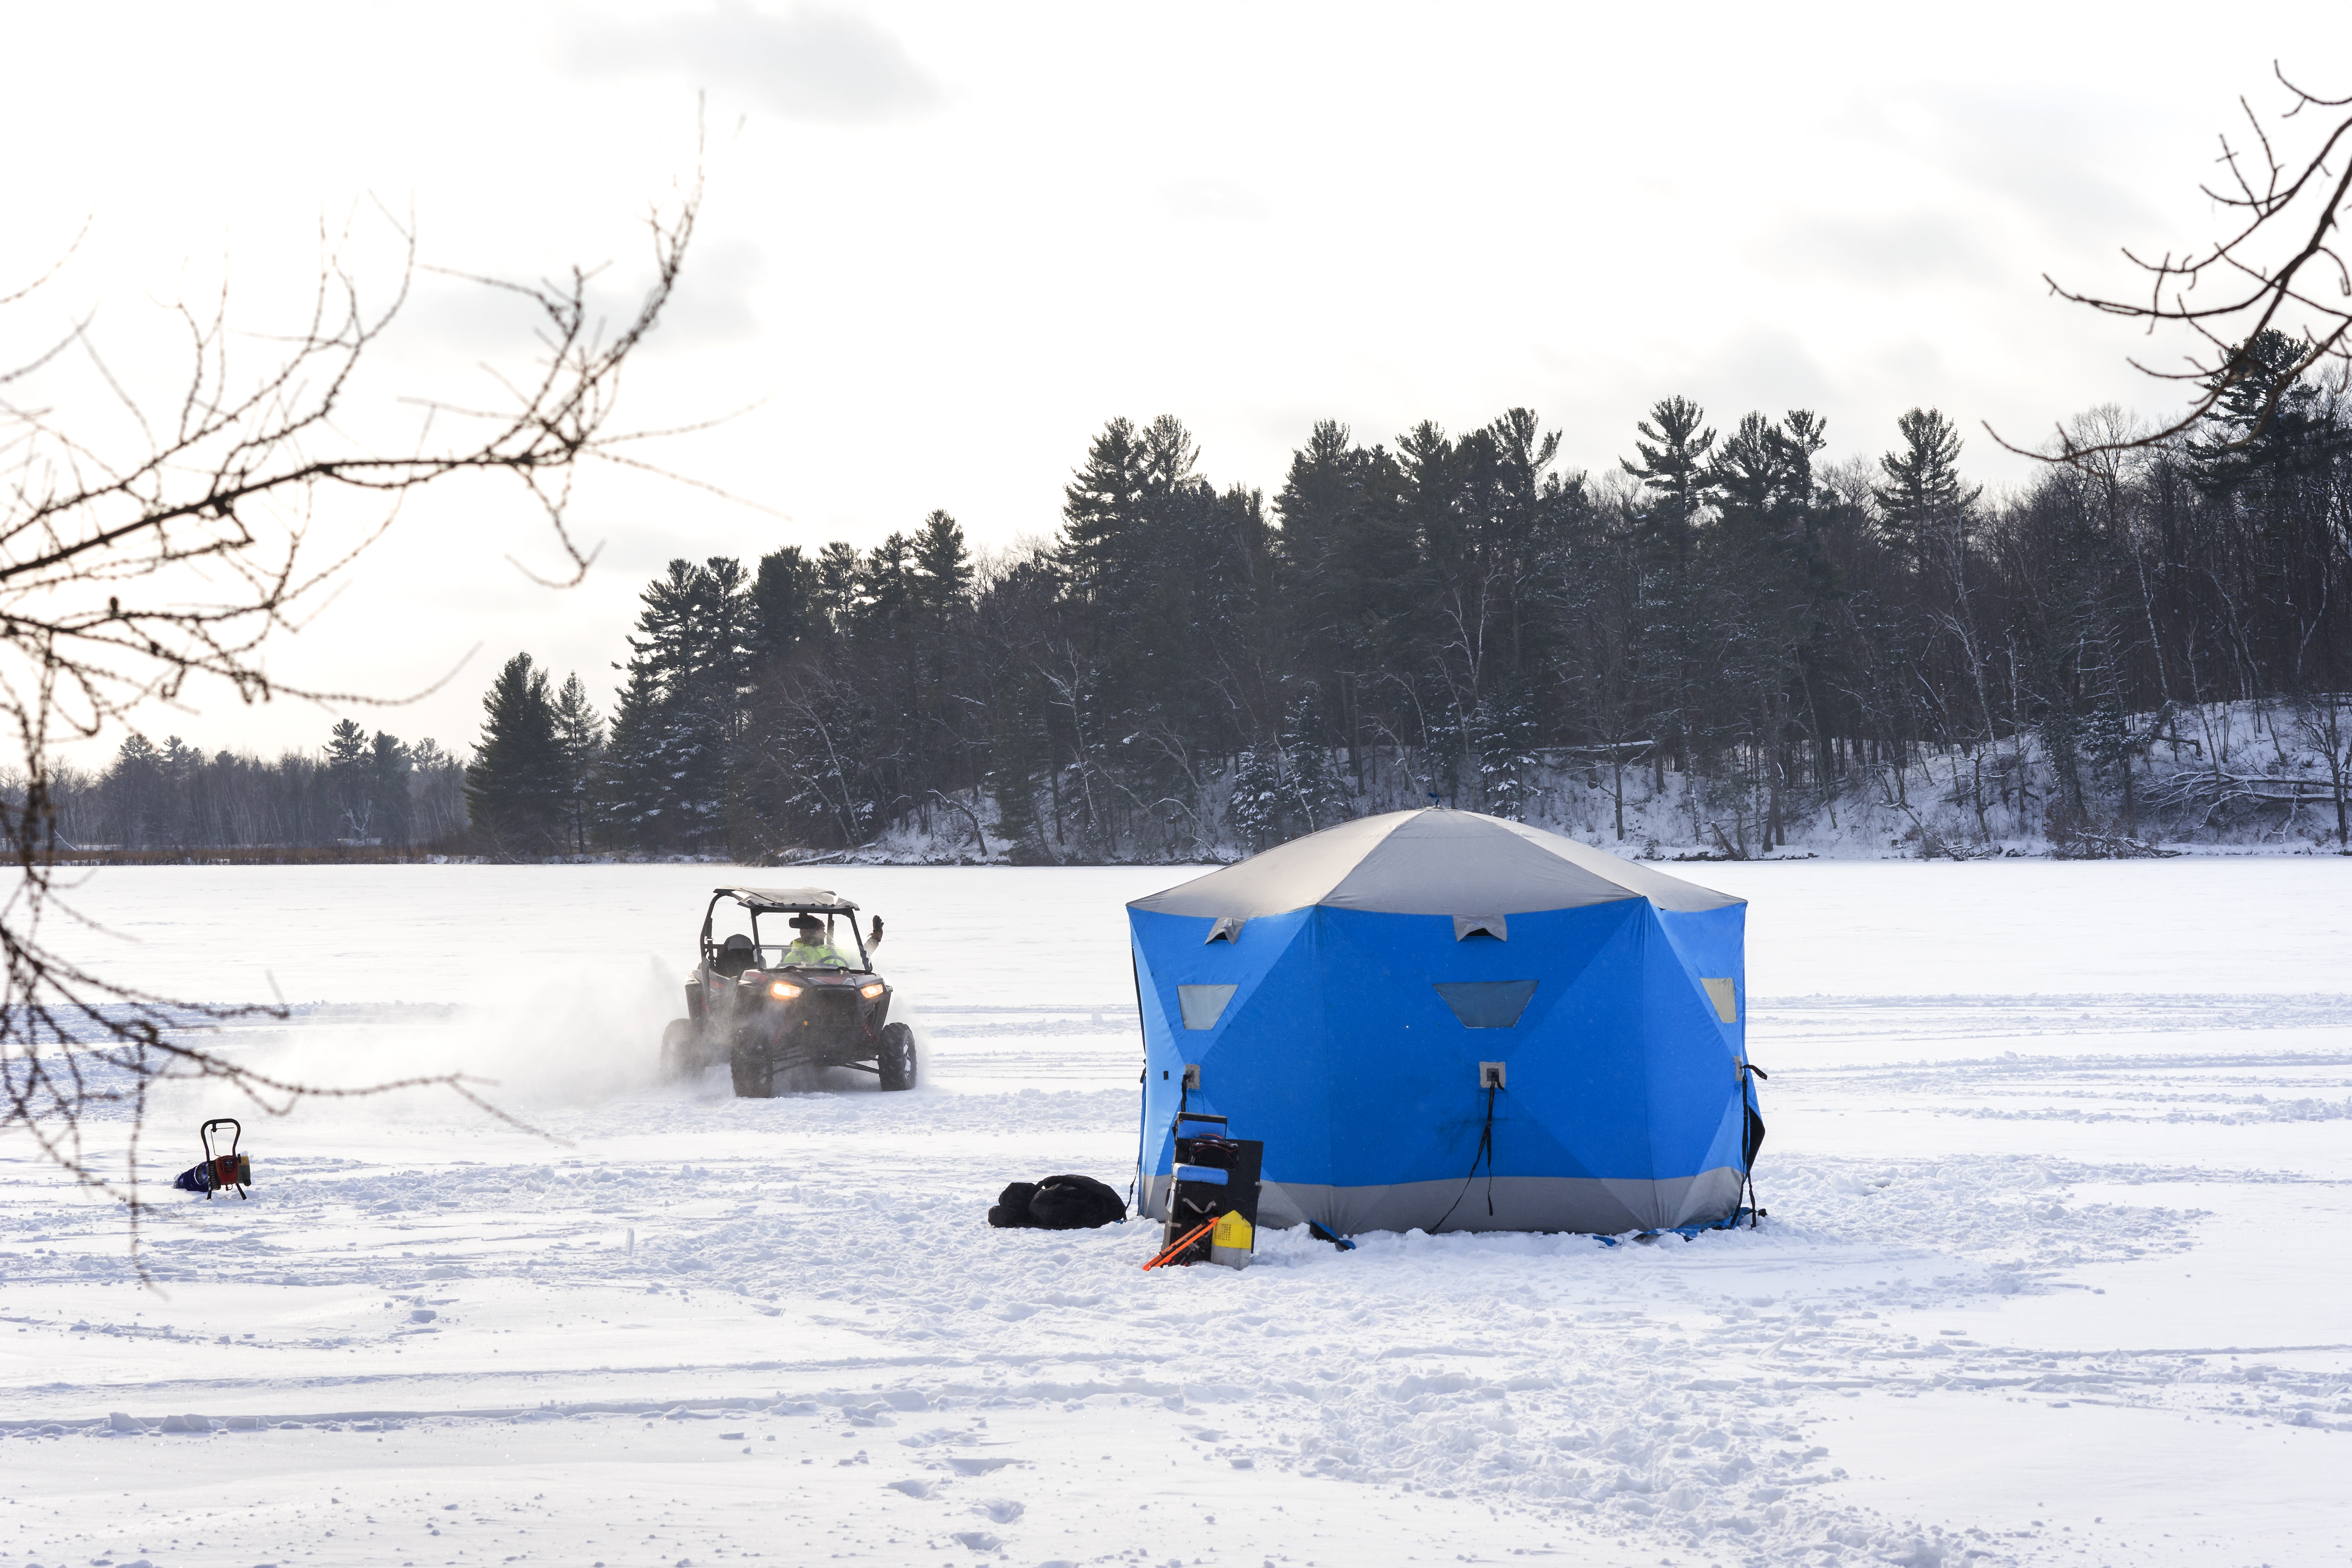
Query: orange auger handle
x=1179 y=1246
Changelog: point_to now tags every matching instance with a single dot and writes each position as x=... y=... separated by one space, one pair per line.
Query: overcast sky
x=943 y=243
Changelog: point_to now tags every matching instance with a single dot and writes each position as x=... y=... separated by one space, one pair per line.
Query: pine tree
x=677 y=728
x=135 y=788
x=1017 y=763
x=1675 y=470
x=634 y=786
x=349 y=776
x=2271 y=429
x=784 y=612
x=1505 y=741
x=708 y=700
x=1102 y=510
x=1927 y=508
x=580 y=735
x=1317 y=794
x=836 y=573
x=943 y=564
x=389 y=802
x=1258 y=804
x=514 y=790
x=437 y=787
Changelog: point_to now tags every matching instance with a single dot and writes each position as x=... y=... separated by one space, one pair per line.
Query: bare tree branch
x=2295 y=204
x=123 y=576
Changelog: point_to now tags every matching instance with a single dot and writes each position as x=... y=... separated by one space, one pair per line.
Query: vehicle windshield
x=780 y=949
x=773 y=941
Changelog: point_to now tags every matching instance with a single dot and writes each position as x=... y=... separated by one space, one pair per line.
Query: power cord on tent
x=1142 y=1116
x=1142 y=1125
x=1486 y=1153
x=1183 y=1103
x=1748 y=1173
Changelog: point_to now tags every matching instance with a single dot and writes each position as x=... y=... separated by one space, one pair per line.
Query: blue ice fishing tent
x=1343 y=996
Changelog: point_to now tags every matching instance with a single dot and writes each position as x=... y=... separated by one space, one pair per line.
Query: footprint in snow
x=912 y=1489
x=1003 y=1511
x=979 y=1466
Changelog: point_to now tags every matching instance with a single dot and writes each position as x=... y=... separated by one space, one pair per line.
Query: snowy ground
x=2060 y=1158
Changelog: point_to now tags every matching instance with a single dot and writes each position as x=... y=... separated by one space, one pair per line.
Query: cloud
x=713 y=304
x=1768 y=367
x=2049 y=162
x=1890 y=251
x=1215 y=200
x=810 y=62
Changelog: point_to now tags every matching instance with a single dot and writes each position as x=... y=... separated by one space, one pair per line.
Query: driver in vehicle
x=809 y=946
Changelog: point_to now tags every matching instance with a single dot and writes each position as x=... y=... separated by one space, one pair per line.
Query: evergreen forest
x=1189 y=671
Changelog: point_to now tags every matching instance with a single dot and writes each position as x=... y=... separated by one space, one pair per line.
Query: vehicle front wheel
x=753 y=1077
x=680 y=1054
x=897 y=1059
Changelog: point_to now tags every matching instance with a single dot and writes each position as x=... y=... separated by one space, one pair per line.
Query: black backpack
x=1057 y=1203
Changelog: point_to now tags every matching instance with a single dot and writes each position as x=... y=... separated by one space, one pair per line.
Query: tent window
x=1487 y=1003
x=1725 y=994
x=1204 y=1004
x=1466 y=926
x=1227 y=928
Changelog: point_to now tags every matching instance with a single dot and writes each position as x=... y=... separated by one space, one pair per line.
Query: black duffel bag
x=1057 y=1203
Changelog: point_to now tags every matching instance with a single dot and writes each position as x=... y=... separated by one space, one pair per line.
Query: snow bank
x=2233 y=777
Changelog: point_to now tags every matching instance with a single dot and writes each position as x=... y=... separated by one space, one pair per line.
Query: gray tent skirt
x=1600 y=1205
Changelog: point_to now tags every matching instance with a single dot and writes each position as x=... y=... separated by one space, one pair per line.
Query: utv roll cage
x=785 y=901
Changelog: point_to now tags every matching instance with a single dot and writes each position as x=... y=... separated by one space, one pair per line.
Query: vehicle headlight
x=783 y=990
x=871 y=992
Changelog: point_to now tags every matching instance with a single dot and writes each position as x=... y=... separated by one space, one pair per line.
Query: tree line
x=360 y=790
x=1186 y=669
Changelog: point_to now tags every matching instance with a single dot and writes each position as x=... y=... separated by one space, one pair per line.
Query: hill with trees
x=1726 y=643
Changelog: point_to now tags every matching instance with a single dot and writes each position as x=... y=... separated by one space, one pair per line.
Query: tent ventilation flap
x=1487 y=1003
x=1467 y=926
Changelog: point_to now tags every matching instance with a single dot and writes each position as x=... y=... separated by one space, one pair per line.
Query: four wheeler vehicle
x=779 y=1000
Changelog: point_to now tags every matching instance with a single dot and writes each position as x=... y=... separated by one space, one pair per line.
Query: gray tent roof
x=1430 y=862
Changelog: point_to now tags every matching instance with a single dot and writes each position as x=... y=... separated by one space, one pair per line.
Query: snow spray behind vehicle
x=1213 y=1213
x=218 y=1171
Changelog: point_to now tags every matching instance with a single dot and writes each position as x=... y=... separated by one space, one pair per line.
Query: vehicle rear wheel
x=896 y=1057
x=754 y=1079
x=681 y=1055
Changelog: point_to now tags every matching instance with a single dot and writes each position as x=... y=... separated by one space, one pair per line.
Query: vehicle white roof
x=821 y=900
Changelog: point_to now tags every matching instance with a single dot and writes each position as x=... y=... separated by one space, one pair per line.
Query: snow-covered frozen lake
x=2058 y=1157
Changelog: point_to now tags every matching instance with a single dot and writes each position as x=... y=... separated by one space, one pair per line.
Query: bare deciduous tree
x=130 y=569
x=2281 y=268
